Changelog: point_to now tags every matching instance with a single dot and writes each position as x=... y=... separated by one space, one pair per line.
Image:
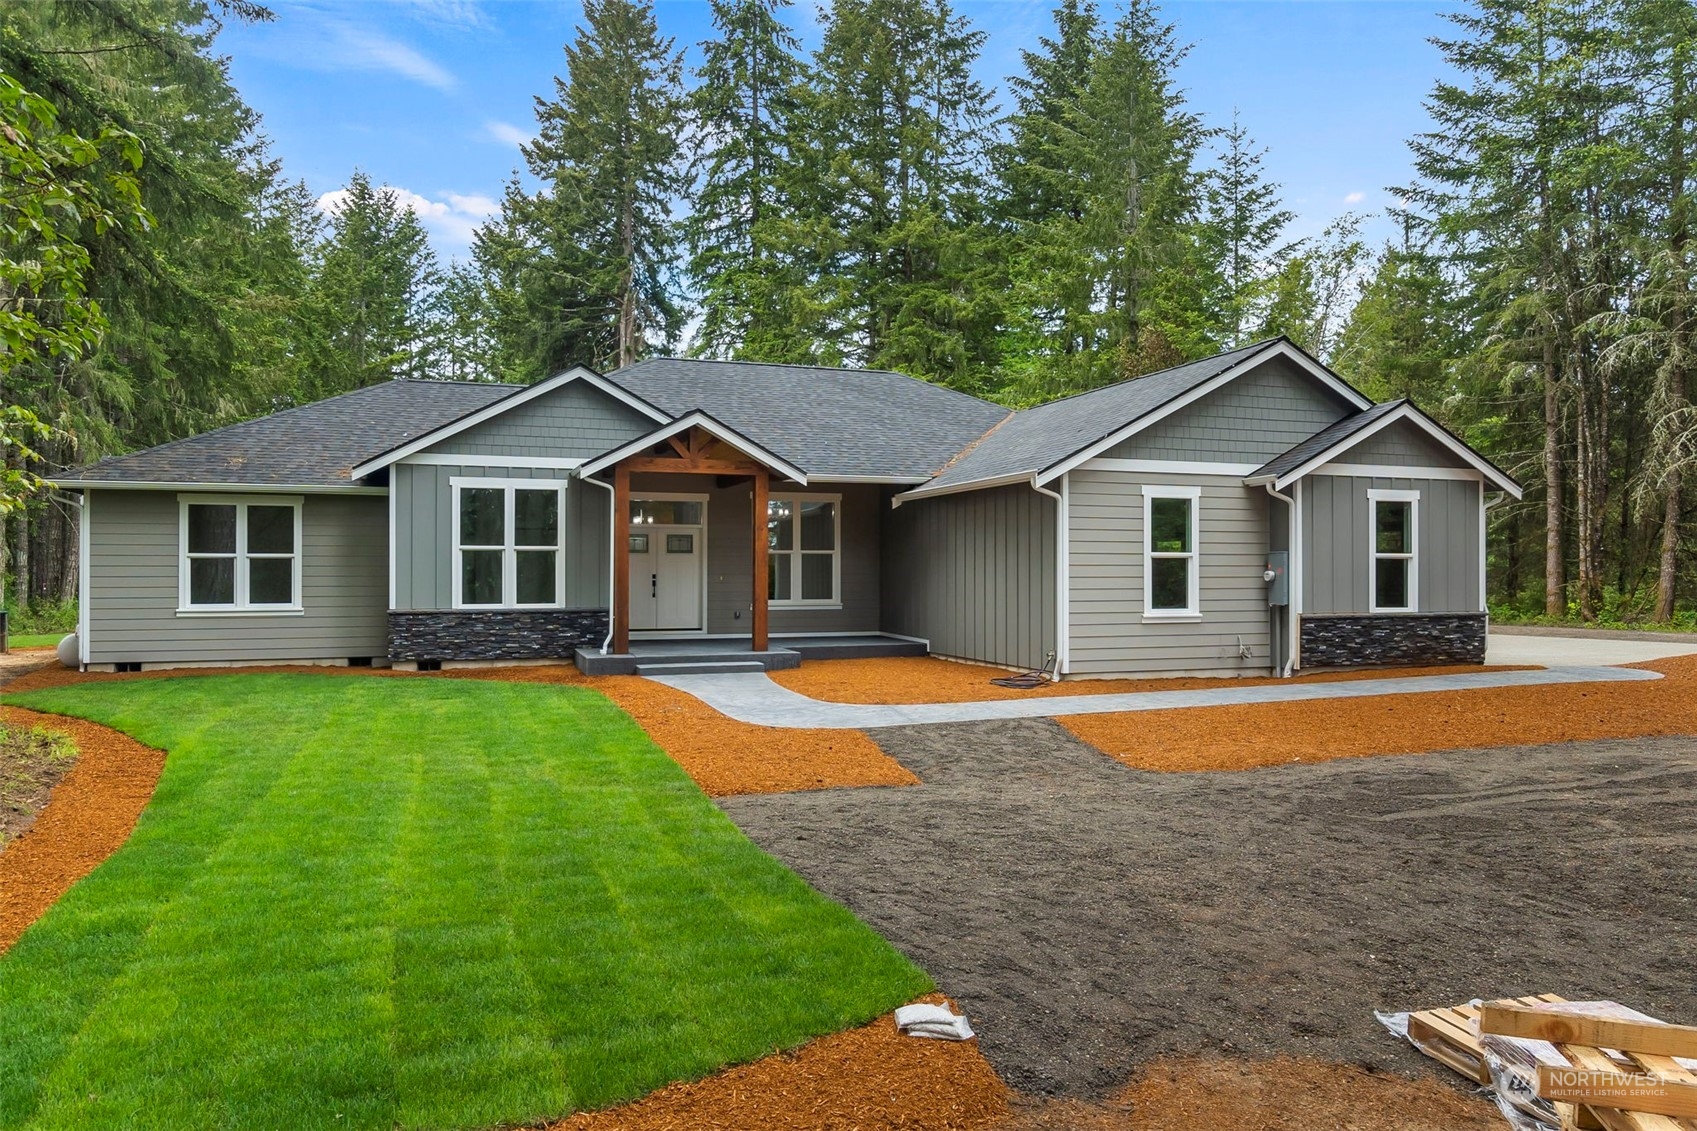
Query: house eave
x=200 y=485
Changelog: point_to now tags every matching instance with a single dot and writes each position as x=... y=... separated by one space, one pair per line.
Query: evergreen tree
x=592 y=253
x=1404 y=335
x=1310 y=299
x=375 y=276
x=744 y=112
x=1035 y=185
x=1245 y=219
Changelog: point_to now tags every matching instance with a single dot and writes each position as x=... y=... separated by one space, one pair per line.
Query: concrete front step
x=705 y=667
x=661 y=653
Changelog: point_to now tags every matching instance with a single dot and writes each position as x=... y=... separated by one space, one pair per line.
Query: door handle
x=653 y=585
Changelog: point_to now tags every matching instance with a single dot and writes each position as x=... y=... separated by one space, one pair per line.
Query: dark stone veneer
x=1330 y=641
x=494 y=634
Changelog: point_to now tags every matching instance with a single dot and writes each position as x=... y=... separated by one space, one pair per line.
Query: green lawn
x=35 y=640
x=418 y=903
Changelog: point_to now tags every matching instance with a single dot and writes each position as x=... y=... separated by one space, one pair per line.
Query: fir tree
x=1245 y=219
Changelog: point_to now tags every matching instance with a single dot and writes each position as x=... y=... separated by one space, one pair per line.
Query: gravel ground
x=1090 y=917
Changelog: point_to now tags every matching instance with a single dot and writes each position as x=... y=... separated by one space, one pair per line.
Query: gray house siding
x=974 y=574
x=1260 y=414
x=424 y=534
x=1336 y=521
x=1400 y=445
x=574 y=422
x=133 y=556
x=730 y=569
x=1105 y=546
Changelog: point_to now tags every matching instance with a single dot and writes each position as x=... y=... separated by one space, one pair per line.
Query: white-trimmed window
x=1171 y=588
x=239 y=553
x=509 y=548
x=804 y=549
x=1394 y=545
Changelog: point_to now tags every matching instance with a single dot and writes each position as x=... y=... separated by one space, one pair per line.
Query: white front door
x=666 y=578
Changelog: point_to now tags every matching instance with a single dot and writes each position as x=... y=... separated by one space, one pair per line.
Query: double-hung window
x=1170 y=584
x=803 y=544
x=1394 y=572
x=239 y=554
x=508 y=548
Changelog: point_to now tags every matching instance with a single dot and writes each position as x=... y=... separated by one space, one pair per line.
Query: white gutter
x=612 y=554
x=1290 y=578
x=961 y=488
x=239 y=488
x=1063 y=570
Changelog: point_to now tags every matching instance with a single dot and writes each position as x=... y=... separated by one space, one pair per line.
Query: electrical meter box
x=1278 y=584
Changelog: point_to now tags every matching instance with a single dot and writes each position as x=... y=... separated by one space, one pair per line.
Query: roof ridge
x=820 y=368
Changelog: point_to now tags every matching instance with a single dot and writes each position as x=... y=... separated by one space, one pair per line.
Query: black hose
x=1027 y=681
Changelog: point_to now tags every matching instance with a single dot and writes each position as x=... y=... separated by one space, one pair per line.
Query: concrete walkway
x=1555 y=650
x=754 y=698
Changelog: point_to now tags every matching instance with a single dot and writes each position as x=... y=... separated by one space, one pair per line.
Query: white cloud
x=505 y=132
x=452 y=219
x=1355 y=198
x=373 y=51
x=449 y=13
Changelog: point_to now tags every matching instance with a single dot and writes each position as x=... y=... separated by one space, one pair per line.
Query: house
x=1245 y=514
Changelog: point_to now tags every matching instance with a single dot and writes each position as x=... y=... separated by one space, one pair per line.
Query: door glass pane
x=271 y=581
x=819 y=526
x=816 y=571
x=480 y=577
x=536 y=577
x=777 y=577
x=666 y=512
x=536 y=517
x=1390 y=523
x=270 y=530
x=680 y=543
x=1392 y=583
x=212 y=529
x=212 y=581
x=1169 y=526
x=639 y=543
x=1169 y=583
x=780 y=525
x=483 y=517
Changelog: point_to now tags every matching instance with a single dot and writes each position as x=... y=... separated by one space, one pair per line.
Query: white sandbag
x=936 y=1022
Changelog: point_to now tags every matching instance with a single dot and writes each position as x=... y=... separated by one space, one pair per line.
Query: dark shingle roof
x=1037 y=438
x=1326 y=438
x=309 y=446
x=829 y=422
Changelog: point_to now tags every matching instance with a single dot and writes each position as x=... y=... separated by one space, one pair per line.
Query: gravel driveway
x=1090 y=917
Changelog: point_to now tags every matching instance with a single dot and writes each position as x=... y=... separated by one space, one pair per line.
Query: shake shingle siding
x=577 y=421
x=1264 y=412
x=133 y=587
x=1401 y=445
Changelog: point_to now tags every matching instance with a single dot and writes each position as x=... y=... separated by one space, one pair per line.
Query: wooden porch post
x=761 y=561
x=620 y=612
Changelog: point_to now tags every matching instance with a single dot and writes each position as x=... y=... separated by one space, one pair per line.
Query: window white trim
x=1376 y=496
x=509 y=549
x=835 y=601
x=241 y=605
x=1193 y=608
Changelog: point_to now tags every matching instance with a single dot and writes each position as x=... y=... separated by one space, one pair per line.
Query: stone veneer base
x=494 y=634
x=1334 y=640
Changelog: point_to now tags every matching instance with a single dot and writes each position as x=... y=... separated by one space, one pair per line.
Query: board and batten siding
x=134 y=558
x=1105 y=549
x=1262 y=413
x=577 y=421
x=1337 y=543
x=974 y=574
x=424 y=533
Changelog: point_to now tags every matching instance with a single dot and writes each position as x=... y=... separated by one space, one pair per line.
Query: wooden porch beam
x=620 y=612
x=761 y=561
x=694 y=464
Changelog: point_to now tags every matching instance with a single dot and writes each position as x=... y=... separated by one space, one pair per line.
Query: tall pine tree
x=1245 y=219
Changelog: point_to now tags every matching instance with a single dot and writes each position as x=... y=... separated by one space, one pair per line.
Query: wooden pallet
x=1643 y=1089
x=1447 y=1036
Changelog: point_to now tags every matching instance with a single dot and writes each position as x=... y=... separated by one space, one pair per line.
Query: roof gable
x=572 y=421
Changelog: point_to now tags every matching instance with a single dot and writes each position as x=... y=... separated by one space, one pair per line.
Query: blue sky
x=432 y=97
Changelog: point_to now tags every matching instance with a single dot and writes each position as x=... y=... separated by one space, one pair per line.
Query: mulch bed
x=1248 y=736
x=32 y=761
x=866 y=1078
x=90 y=813
x=927 y=679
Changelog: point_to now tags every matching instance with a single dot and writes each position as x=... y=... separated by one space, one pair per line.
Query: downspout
x=81 y=503
x=1062 y=568
x=612 y=554
x=1487 y=502
x=1290 y=581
